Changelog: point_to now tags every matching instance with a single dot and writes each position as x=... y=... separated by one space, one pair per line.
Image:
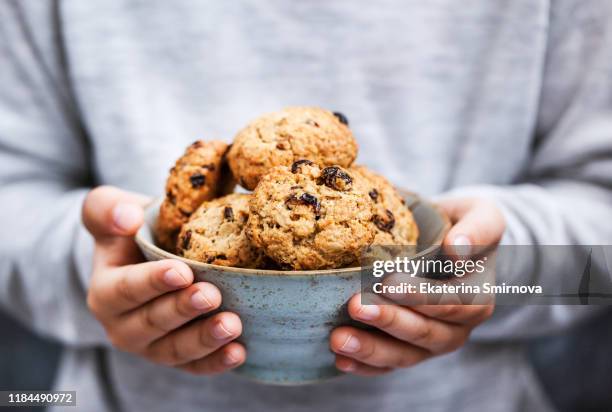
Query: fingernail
x=199 y=301
x=126 y=216
x=173 y=278
x=368 y=312
x=462 y=245
x=229 y=360
x=347 y=367
x=221 y=332
x=351 y=345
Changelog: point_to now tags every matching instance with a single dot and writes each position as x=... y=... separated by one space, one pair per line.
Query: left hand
x=409 y=335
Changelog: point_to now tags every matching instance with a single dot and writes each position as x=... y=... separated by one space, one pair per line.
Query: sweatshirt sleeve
x=45 y=252
x=565 y=194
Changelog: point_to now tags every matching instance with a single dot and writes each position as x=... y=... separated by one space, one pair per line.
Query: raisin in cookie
x=281 y=138
x=215 y=234
x=196 y=177
x=394 y=222
x=305 y=217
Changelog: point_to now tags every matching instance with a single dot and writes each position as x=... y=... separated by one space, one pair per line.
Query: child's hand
x=145 y=307
x=409 y=335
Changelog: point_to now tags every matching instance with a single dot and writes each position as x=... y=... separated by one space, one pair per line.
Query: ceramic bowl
x=287 y=316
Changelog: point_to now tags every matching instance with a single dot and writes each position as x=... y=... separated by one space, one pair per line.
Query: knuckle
x=156 y=282
x=389 y=319
x=154 y=354
x=367 y=352
x=124 y=291
x=171 y=353
x=182 y=307
x=408 y=358
x=176 y=357
x=422 y=332
x=449 y=311
x=148 y=322
x=204 y=337
x=161 y=354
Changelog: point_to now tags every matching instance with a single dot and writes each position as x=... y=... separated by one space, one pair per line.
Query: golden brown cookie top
x=281 y=138
x=215 y=234
x=307 y=217
x=394 y=222
x=168 y=225
x=195 y=177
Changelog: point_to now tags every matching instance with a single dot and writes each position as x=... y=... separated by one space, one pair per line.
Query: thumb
x=113 y=216
x=108 y=212
x=477 y=224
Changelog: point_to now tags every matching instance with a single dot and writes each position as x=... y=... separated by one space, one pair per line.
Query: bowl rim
x=145 y=244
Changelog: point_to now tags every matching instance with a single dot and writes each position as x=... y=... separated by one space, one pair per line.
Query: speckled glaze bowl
x=287 y=316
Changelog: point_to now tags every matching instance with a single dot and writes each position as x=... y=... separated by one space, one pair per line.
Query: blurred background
x=575 y=368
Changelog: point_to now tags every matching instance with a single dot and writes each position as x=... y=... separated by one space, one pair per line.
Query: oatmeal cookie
x=215 y=234
x=394 y=222
x=281 y=138
x=197 y=176
x=307 y=217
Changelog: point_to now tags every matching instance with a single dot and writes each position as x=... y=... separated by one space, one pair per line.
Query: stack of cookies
x=310 y=207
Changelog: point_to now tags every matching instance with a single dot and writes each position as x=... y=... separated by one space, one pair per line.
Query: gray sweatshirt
x=505 y=99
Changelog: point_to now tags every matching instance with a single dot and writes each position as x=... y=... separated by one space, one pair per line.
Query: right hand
x=147 y=308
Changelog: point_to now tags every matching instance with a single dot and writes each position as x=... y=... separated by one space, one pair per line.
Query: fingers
x=455 y=208
x=410 y=326
x=476 y=222
x=228 y=357
x=108 y=211
x=354 y=367
x=375 y=348
x=118 y=290
x=149 y=308
x=470 y=315
x=196 y=340
x=112 y=216
x=150 y=322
